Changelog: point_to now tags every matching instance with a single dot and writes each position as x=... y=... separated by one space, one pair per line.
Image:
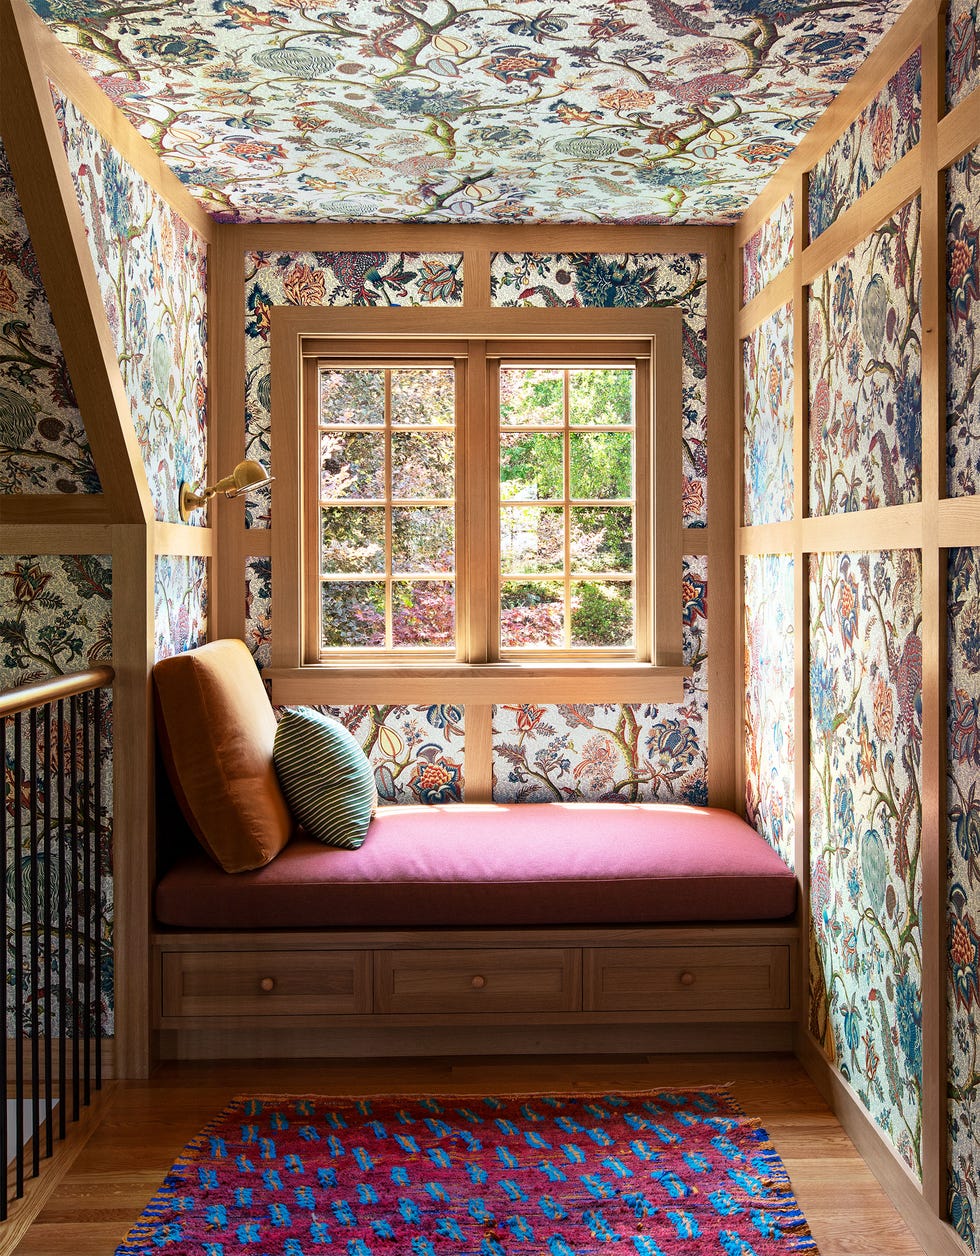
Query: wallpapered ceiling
x=963 y=989
x=643 y=110
x=866 y=831
x=180 y=604
x=152 y=273
x=56 y=617
x=770 y=738
x=866 y=373
x=43 y=446
x=962 y=333
x=767 y=381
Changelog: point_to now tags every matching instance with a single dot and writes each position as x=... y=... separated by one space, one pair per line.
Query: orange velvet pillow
x=216 y=731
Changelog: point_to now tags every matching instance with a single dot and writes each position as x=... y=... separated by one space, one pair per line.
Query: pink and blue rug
x=671 y=1173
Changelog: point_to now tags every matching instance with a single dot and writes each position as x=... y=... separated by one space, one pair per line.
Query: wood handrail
x=26 y=697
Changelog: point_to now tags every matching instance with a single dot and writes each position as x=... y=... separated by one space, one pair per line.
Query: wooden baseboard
x=270 y=1043
x=937 y=1237
x=108 y=1059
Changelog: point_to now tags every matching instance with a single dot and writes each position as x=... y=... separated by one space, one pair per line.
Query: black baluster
x=87 y=897
x=48 y=1079
x=33 y=960
x=98 y=889
x=4 y=1160
x=76 y=1027
x=18 y=956
x=62 y=928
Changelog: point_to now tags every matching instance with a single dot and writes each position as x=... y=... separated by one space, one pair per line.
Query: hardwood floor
x=144 y=1125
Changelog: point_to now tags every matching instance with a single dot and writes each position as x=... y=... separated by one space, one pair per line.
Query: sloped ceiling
x=453 y=110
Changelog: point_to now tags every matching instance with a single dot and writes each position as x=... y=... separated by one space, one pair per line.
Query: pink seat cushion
x=498 y=864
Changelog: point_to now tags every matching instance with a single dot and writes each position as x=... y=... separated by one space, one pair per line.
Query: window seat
x=497 y=864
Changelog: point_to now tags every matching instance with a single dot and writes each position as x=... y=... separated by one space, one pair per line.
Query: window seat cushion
x=498 y=864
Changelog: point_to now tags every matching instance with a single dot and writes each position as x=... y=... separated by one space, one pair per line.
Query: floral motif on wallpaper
x=380 y=110
x=882 y=133
x=325 y=279
x=56 y=617
x=962 y=51
x=769 y=251
x=258 y=609
x=767 y=379
x=152 y=273
x=865 y=831
x=866 y=373
x=962 y=331
x=180 y=604
x=416 y=751
x=635 y=281
x=43 y=445
x=963 y=921
x=770 y=676
x=606 y=752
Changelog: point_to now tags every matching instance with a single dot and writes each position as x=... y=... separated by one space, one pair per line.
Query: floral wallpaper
x=866 y=831
x=874 y=142
x=962 y=334
x=416 y=751
x=770 y=683
x=325 y=279
x=258 y=609
x=866 y=373
x=43 y=442
x=152 y=272
x=769 y=251
x=963 y=922
x=767 y=381
x=962 y=51
x=43 y=446
x=631 y=280
x=609 y=752
x=56 y=617
x=180 y=604
x=381 y=110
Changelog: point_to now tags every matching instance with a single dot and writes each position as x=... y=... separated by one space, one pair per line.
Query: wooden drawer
x=266 y=983
x=478 y=980
x=694 y=978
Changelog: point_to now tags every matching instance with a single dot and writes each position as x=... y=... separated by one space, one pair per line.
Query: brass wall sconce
x=246 y=476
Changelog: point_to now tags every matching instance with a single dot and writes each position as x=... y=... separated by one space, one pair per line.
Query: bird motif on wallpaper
x=17 y=419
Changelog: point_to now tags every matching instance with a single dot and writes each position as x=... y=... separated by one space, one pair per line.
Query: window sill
x=535 y=682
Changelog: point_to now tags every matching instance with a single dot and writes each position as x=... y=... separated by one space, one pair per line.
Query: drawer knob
x=478 y=982
x=687 y=979
x=267 y=984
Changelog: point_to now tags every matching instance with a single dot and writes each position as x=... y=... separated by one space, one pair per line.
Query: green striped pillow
x=325 y=776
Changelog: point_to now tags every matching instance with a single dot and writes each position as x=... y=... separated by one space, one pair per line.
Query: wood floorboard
x=146 y=1124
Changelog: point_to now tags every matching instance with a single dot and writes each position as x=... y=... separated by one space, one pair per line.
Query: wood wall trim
x=958 y=522
x=37 y=158
x=75 y=82
x=180 y=538
x=777 y=293
x=936 y=1236
x=889 y=54
x=888 y=528
x=54 y=510
x=53 y=538
x=959 y=131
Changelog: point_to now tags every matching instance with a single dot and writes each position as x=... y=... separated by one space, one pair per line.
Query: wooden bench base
x=405 y=992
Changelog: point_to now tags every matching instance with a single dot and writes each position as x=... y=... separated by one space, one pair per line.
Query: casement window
x=490 y=505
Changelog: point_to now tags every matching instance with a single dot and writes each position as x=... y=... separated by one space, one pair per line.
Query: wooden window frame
x=299 y=335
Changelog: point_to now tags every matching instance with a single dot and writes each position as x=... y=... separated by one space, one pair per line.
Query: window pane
x=532 y=396
x=532 y=539
x=423 y=539
x=423 y=613
x=602 y=614
x=352 y=538
x=422 y=465
x=532 y=613
x=352 y=464
x=352 y=396
x=602 y=538
x=601 y=464
x=600 y=395
x=352 y=613
x=531 y=467
x=423 y=395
